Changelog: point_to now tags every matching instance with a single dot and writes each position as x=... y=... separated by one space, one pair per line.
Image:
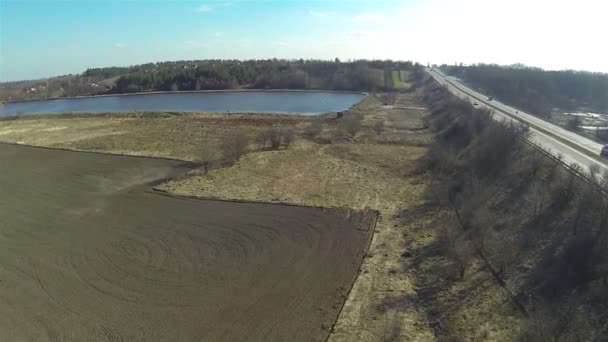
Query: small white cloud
x=369 y=17
x=119 y=45
x=204 y=8
x=361 y=34
x=244 y=42
x=196 y=44
x=217 y=34
x=281 y=44
x=318 y=13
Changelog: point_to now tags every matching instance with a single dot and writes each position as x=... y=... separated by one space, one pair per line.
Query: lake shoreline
x=157 y=114
x=195 y=91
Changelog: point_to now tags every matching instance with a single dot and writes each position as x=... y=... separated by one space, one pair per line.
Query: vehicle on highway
x=475 y=103
x=604 y=152
x=490 y=98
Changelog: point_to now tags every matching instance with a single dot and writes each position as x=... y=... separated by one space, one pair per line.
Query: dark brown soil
x=88 y=252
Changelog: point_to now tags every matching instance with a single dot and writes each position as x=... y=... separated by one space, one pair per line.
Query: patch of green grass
x=397 y=82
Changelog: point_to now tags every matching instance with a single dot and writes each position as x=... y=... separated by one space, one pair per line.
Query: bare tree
x=455 y=246
x=234 y=144
x=502 y=250
x=208 y=156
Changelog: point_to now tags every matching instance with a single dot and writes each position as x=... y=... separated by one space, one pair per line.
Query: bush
x=313 y=129
x=234 y=145
x=275 y=138
x=351 y=124
x=378 y=126
x=289 y=136
x=263 y=137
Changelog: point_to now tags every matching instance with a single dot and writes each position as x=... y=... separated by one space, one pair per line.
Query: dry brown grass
x=177 y=136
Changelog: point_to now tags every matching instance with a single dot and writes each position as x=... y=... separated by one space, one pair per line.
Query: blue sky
x=47 y=37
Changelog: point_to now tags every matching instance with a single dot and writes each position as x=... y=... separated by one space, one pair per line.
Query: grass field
x=398 y=82
x=87 y=252
x=167 y=135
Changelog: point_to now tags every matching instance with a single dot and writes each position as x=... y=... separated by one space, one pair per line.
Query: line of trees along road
x=536 y=90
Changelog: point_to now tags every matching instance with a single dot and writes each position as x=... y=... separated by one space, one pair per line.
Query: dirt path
x=87 y=254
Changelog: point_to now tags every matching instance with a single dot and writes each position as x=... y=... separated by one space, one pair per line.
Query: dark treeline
x=256 y=74
x=359 y=75
x=536 y=90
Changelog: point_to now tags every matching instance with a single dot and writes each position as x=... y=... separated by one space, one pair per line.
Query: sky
x=41 y=38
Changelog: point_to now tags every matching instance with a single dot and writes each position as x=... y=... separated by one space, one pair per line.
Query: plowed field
x=89 y=252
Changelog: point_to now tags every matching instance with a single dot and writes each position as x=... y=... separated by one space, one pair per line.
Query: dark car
x=604 y=152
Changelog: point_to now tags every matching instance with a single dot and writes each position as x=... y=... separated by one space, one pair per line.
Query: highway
x=557 y=140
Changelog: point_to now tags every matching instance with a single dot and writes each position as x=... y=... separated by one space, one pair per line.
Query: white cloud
x=368 y=17
x=318 y=13
x=119 y=45
x=217 y=34
x=361 y=34
x=281 y=44
x=195 y=44
x=204 y=8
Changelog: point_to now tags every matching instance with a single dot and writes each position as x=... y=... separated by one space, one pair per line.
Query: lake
x=290 y=102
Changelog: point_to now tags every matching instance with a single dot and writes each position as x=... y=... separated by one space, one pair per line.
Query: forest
x=255 y=74
x=535 y=90
x=212 y=74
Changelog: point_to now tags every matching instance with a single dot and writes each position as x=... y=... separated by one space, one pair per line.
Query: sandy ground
x=89 y=252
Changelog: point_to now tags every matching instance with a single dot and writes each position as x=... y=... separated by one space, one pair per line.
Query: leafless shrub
x=351 y=124
x=313 y=129
x=208 y=156
x=234 y=145
x=289 y=136
x=378 y=126
x=275 y=138
x=263 y=137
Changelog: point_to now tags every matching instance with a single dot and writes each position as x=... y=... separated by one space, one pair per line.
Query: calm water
x=250 y=101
